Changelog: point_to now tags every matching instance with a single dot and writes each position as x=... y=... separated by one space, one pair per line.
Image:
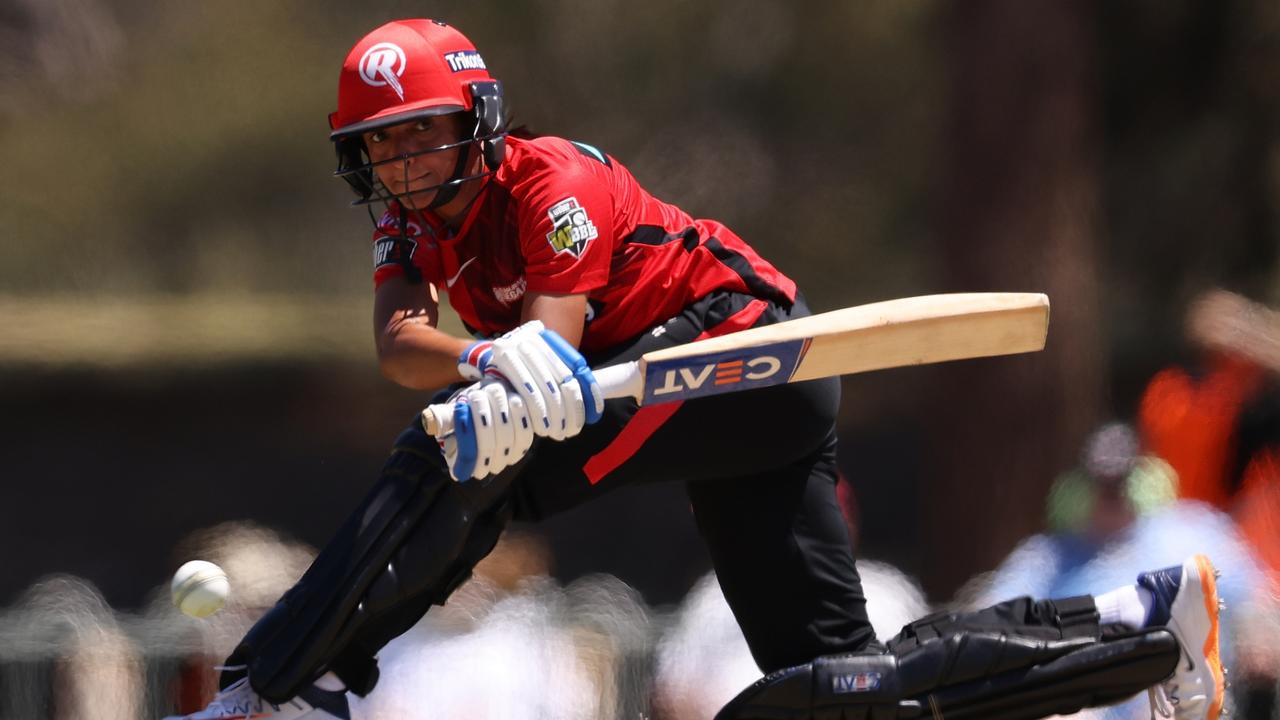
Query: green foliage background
x=181 y=147
x=176 y=257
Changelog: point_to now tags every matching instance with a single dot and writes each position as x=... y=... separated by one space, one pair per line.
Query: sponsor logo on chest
x=511 y=293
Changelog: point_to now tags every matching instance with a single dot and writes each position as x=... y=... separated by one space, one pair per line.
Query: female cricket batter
x=558 y=260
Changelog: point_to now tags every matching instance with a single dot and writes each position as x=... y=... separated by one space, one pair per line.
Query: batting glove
x=559 y=391
x=491 y=430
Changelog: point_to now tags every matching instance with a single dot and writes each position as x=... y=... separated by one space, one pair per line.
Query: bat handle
x=622 y=380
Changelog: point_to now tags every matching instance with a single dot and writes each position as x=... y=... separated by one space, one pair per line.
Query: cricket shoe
x=1185 y=601
x=239 y=702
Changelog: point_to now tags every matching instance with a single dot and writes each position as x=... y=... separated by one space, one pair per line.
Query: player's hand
x=491 y=430
x=551 y=376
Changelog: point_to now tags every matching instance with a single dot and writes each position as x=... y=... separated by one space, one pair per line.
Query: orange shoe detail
x=1209 y=586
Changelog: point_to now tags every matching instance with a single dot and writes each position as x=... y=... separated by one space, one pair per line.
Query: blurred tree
x=1019 y=211
x=1114 y=154
x=1192 y=166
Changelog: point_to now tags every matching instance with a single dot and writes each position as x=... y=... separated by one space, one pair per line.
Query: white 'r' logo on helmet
x=383 y=64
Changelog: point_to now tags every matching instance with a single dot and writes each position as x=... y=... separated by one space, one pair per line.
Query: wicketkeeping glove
x=491 y=430
x=550 y=375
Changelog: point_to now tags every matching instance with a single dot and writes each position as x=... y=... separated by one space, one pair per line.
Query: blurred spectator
x=1114 y=484
x=65 y=656
x=1089 y=508
x=484 y=656
x=100 y=677
x=572 y=653
x=547 y=651
x=1110 y=519
x=1218 y=425
x=260 y=565
x=582 y=652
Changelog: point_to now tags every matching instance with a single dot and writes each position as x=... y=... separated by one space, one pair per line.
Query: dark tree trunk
x=1019 y=211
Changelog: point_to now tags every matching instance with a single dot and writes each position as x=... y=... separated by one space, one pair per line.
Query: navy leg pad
x=1070 y=676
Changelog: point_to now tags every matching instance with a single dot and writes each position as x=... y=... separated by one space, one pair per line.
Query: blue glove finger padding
x=581 y=372
x=464 y=434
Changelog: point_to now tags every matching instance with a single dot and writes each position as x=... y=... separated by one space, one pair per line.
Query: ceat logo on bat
x=721 y=372
x=383 y=64
x=725 y=373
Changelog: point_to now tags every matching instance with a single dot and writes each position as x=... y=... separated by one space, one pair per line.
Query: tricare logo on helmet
x=465 y=60
x=409 y=70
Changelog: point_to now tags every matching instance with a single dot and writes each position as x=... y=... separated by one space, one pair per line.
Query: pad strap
x=1077 y=617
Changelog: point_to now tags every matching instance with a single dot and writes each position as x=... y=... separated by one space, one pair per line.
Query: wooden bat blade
x=894 y=333
x=930 y=329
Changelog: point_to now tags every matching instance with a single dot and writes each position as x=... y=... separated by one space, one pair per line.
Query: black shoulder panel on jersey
x=657 y=235
x=945 y=678
x=755 y=284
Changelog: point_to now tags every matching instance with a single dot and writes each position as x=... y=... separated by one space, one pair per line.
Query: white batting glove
x=491 y=430
x=551 y=376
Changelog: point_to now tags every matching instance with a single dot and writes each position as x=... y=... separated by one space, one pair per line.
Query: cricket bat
x=895 y=333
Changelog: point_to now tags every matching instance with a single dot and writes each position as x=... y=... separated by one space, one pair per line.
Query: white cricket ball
x=200 y=588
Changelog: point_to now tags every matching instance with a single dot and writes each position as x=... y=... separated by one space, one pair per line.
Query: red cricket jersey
x=563 y=217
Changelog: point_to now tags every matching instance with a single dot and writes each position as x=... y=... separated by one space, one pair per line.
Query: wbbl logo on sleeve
x=571 y=229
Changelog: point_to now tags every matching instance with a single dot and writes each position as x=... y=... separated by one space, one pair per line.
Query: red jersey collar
x=441 y=231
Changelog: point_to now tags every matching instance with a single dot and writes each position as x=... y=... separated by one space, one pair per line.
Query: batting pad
x=872 y=686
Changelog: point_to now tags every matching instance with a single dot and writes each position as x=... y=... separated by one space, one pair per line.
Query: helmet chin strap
x=450 y=190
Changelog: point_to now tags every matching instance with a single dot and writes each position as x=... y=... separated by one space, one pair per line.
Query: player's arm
x=561 y=312
x=411 y=351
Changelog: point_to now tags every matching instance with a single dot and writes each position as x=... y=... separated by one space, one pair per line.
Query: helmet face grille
x=355 y=167
x=488 y=130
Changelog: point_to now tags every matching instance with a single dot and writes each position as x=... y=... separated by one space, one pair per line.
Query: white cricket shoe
x=1186 y=603
x=239 y=702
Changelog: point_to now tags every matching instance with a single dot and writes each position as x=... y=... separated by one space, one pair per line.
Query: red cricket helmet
x=407 y=69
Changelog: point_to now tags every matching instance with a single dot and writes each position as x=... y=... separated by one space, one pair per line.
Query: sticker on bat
x=720 y=372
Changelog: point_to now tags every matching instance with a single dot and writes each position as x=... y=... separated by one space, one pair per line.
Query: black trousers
x=760 y=471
